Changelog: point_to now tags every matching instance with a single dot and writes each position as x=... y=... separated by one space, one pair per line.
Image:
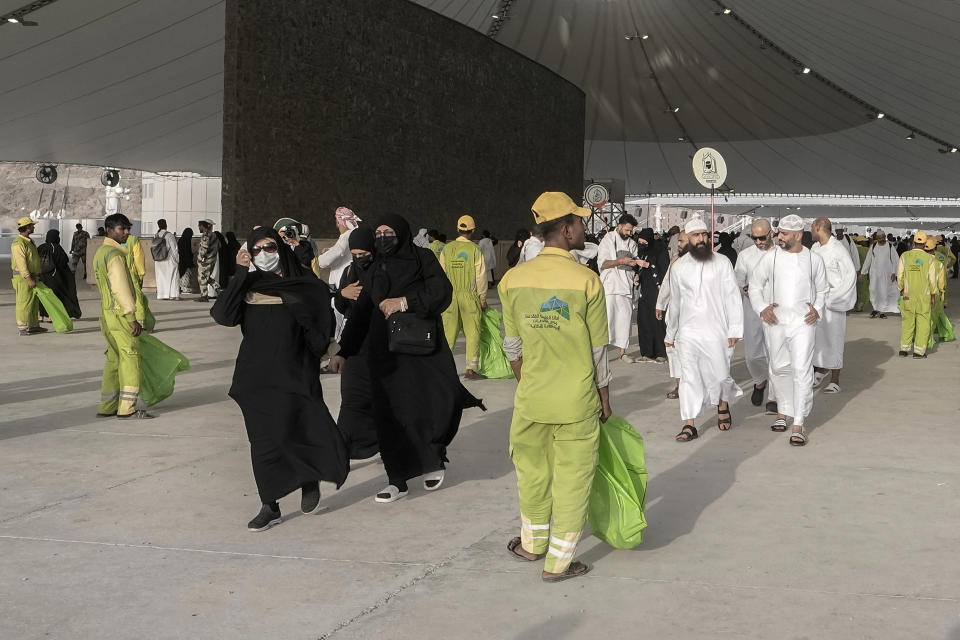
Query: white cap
x=792 y=222
x=207 y=221
x=695 y=225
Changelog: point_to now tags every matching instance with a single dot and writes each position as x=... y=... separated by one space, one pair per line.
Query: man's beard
x=682 y=251
x=701 y=252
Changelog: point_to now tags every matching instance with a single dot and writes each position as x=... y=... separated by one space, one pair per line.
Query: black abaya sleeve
x=435 y=293
x=343 y=304
x=228 y=309
x=663 y=263
x=358 y=324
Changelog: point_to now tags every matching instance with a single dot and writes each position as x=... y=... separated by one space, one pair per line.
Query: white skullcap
x=695 y=225
x=793 y=222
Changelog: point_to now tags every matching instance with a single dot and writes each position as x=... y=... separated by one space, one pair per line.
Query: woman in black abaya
x=57 y=275
x=294 y=442
x=650 y=331
x=417 y=399
x=357 y=420
x=186 y=266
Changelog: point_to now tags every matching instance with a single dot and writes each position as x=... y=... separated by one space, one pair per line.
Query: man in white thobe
x=532 y=247
x=167 y=270
x=881 y=265
x=489 y=255
x=841 y=296
x=788 y=289
x=704 y=322
x=338 y=257
x=663 y=301
x=847 y=242
x=754 y=343
x=616 y=257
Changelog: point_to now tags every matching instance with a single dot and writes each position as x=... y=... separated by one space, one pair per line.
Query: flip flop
x=779 y=426
x=512 y=548
x=833 y=387
x=575 y=570
x=801 y=438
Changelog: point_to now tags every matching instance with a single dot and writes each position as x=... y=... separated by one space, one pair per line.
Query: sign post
x=710 y=170
x=596 y=196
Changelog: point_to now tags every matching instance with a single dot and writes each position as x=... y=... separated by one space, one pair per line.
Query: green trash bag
x=619 y=486
x=945 y=327
x=159 y=365
x=54 y=308
x=493 y=361
x=149 y=321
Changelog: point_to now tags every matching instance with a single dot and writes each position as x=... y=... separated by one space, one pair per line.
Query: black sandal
x=688 y=433
x=724 y=421
x=575 y=570
x=512 y=548
x=779 y=425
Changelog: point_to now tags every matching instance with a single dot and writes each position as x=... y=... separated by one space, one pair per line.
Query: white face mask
x=267 y=261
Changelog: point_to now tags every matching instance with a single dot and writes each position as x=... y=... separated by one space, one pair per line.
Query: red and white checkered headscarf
x=347 y=218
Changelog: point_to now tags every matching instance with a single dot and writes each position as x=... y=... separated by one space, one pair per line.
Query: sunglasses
x=759 y=238
x=270 y=247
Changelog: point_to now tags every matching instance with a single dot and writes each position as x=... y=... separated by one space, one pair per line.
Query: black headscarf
x=185 y=250
x=53 y=236
x=393 y=276
x=303 y=294
x=362 y=238
x=646 y=234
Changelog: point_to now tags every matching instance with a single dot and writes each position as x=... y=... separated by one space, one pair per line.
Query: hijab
x=185 y=250
x=647 y=234
x=394 y=275
x=362 y=238
x=303 y=294
x=53 y=237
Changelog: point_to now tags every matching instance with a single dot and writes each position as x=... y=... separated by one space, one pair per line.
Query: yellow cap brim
x=583 y=212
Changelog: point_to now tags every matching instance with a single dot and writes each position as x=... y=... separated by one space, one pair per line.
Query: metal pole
x=713 y=218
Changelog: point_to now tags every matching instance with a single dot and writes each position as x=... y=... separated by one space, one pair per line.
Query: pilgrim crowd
x=384 y=307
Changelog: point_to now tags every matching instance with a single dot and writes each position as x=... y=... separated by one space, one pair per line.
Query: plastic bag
x=493 y=361
x=54 y=308
x=945 y=327
x=619 y=486
x=159 y=365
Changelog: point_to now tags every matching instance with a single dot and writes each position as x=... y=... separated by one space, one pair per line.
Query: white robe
x=167 y=271
x=703 y=313
x=852 y=250
x=489 y=256
x=880 y=264
x=336 y=259
x=531 y=249
x=792 y=281
x=754 y=342
x=841 y=296
x=618 y=286
x=663 y=300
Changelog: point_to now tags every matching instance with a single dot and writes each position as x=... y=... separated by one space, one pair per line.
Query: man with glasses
x=788 y=289
x=754 y=346
x=120 y=389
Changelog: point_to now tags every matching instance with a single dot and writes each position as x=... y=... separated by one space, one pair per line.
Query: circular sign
x=709 y=168
x=596 y=195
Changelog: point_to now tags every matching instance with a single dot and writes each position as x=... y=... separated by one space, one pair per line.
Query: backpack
x=159 y=249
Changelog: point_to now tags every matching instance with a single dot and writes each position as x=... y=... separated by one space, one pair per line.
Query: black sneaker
x=202 y=299
x=918 y=356
x=756 y=398
x=310 y=498
x=33 y=330
x=904 y=354
x=771 y=408
x=265 y=519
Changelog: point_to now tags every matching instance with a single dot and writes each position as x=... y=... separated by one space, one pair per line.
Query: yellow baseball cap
x=22 y=222
x=931 y=243
x=466 y=223
x=920 y=237
x=556 y=204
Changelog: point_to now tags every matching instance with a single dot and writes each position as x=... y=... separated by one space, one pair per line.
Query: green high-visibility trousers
x=28 y=307
x=120 y=389
x=915 y=324
x=555 y=465
x=464 y=312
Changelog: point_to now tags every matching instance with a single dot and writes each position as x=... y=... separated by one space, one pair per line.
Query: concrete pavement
x=137 y=530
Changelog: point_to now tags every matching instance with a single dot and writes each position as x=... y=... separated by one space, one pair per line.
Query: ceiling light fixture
x=495 y=17
x=806 y=70
x=953 y=149
x=13 y=20
x=911 y=135
x=726 y=11
x=644 y=37
x=881 y=115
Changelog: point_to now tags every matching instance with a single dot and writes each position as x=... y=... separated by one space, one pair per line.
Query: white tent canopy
x=139 y=83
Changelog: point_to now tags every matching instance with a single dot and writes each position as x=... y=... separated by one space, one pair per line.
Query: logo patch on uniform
x=463 y=255
x=558 y=305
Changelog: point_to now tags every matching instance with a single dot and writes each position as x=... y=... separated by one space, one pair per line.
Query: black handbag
x=412 y=335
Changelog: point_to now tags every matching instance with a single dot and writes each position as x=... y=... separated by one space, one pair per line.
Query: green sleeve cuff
x=129 y=317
